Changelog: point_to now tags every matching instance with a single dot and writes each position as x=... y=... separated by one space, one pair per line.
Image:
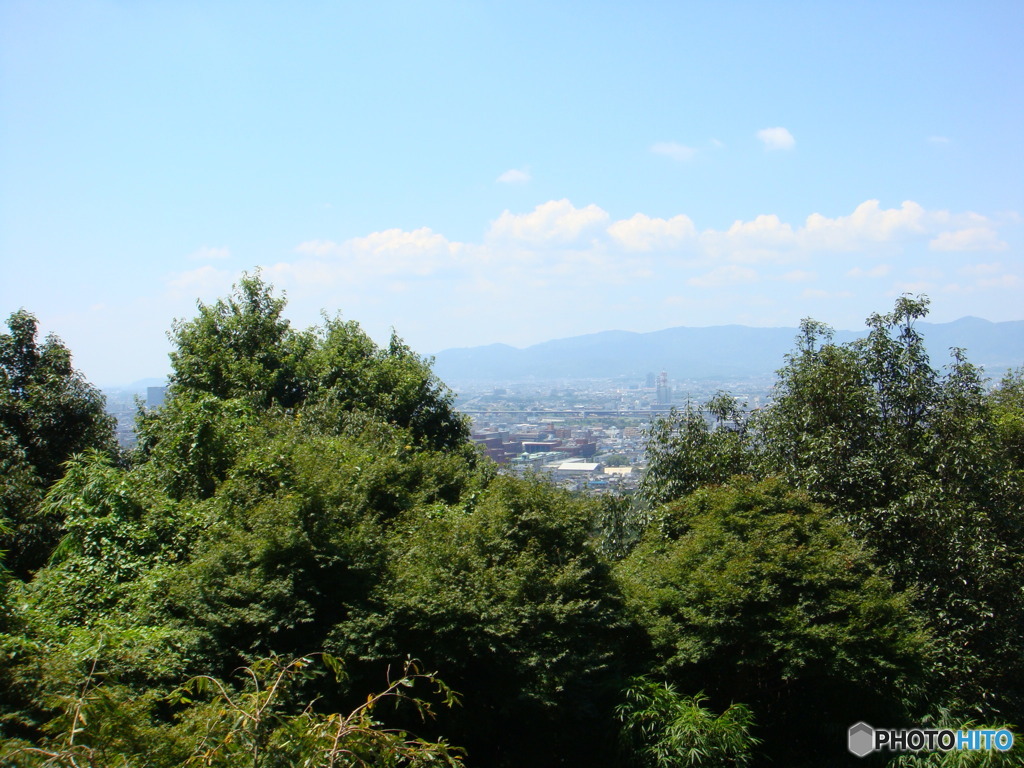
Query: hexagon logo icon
x=860 y=739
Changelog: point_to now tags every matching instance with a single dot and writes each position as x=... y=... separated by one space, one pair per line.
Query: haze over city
x=506 y=172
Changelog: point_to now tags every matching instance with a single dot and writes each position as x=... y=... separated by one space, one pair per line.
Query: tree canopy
x=241 y=348
x=307 y=500
x=753 y=593
x=48 y=413
x=919 y=463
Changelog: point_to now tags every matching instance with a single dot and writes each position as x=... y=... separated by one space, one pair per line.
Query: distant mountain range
x=718 y=352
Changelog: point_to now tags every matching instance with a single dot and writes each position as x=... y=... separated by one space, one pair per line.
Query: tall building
x=664 y=393
x=155 y=396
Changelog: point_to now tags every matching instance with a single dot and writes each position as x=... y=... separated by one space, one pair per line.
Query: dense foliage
x=665 y=729
x=924 y=467
x=915 y=462
x=306 y=500
x=48 y=412
x=753 y=593
x=242 y=349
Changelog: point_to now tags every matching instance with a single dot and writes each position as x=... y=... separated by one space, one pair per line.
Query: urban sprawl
x=585 y=435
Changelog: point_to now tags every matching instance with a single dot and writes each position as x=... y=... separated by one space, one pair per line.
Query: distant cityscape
x=577 y=410
x=586 y=435
x=124 y=403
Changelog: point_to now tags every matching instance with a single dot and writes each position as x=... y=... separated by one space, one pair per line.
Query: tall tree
x=752 y=592
x=250 y=519
x=239 y=347
x=920 y=464
x=685 y=452
x=242 y=348
x=505 y=594
x=48 y=412
x=910 y=458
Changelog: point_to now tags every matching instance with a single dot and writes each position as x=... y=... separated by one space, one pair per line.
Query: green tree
x=752 y=592
x=261 y=721
x=190 y=444
x=923 y=466
x=296 y=536
x=1007 y=404
x=913 y=460
x=48 y=412
x=823 y=430
x=619 y=523
x=506 y=595
x=151 y=585
x=252 y=518
x=242 y=348
x=685 y=452
x=616 y=460
x=347 y=372
x=665 y=729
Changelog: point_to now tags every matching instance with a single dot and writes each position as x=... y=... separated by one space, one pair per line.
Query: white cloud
x=420 y=252
x=205 y=282
x=776 y=138
x=940 y=141
x=1002 y=281
x=392 y=241
x=558 y=254
x=318 y=247
x=679 y=152
x=982 y=270
x=766 y=229
x=798 y=276
x=764 y=239
x=819 y=293
x=970 y=239
x=730 y=274
x=514 y=176
x=919 y=286
x=642 y=233
x=880 y=271
x=557 y=221
x=557 y=238
x=987 y=280
x=869 y=223
x=209 y=253
x=378 y=243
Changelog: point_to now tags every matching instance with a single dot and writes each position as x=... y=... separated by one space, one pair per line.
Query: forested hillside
x=305 y=562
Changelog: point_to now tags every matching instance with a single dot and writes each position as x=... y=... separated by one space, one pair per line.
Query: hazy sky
x=475 y=172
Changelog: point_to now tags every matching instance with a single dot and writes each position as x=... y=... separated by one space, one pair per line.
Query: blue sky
x=477 y=172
